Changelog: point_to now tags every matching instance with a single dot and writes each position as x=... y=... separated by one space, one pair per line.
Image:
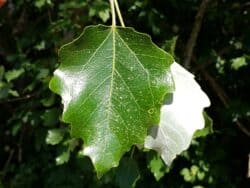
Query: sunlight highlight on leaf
x=179 y=119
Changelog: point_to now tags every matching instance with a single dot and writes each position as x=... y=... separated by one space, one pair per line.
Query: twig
x=217 y=88
x=8 y=162
x=26 y=97
x=201 y=66
x=242 y=128
x=19 y=144
x=223 y=98
x=19 y=25
x=248 y=173
x=194 y=34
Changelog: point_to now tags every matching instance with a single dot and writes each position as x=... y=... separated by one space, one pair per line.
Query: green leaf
x=48 y=101
x=157 y=166
x=63 y=158
x=208 y=129
x=127 y=173
x=40 y=45
x=180 y=118
x=112 y=81
x=43 y=73
x=16 y=128
x=169 y=45
x=238 y=62
x=50 y=116
x=1 y=72
x=42 y=3
x=54 y=136
x=13 y=93
x=13 y=74
x=100 y=9
x=4 y=90
x=104 y=15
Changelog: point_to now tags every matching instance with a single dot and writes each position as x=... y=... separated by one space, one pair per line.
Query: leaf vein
x=130 y=91
x=138 y=61
x=97 y=87
x=93 y=55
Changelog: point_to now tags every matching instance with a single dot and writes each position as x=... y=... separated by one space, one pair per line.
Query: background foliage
x=35 y=148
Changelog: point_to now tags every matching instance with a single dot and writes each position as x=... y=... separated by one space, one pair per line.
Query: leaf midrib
x=112 y=73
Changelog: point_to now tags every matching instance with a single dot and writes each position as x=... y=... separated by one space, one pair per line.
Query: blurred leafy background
x=35 y=147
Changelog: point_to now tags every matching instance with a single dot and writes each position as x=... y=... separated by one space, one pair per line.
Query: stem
x=26 y=97
x=188 y=54
x=119 y=13
x=112 y=5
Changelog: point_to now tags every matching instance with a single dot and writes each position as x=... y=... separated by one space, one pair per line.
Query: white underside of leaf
x=180 y=119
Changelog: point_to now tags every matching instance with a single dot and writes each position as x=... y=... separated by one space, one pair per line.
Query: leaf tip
x=101 y=164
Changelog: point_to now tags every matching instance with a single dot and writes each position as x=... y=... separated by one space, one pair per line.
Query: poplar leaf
x=112 y=81
x=180 y=118
x=54 y=136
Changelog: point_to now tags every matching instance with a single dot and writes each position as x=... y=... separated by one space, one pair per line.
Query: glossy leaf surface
x=112 y=81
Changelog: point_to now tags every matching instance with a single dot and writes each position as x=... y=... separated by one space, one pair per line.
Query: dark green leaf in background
x=208 y=129
x=13 y=74
x=127 y=173
x=156 y=165
x=54 y=136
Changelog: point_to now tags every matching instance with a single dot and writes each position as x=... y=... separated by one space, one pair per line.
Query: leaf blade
x=112 y=88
